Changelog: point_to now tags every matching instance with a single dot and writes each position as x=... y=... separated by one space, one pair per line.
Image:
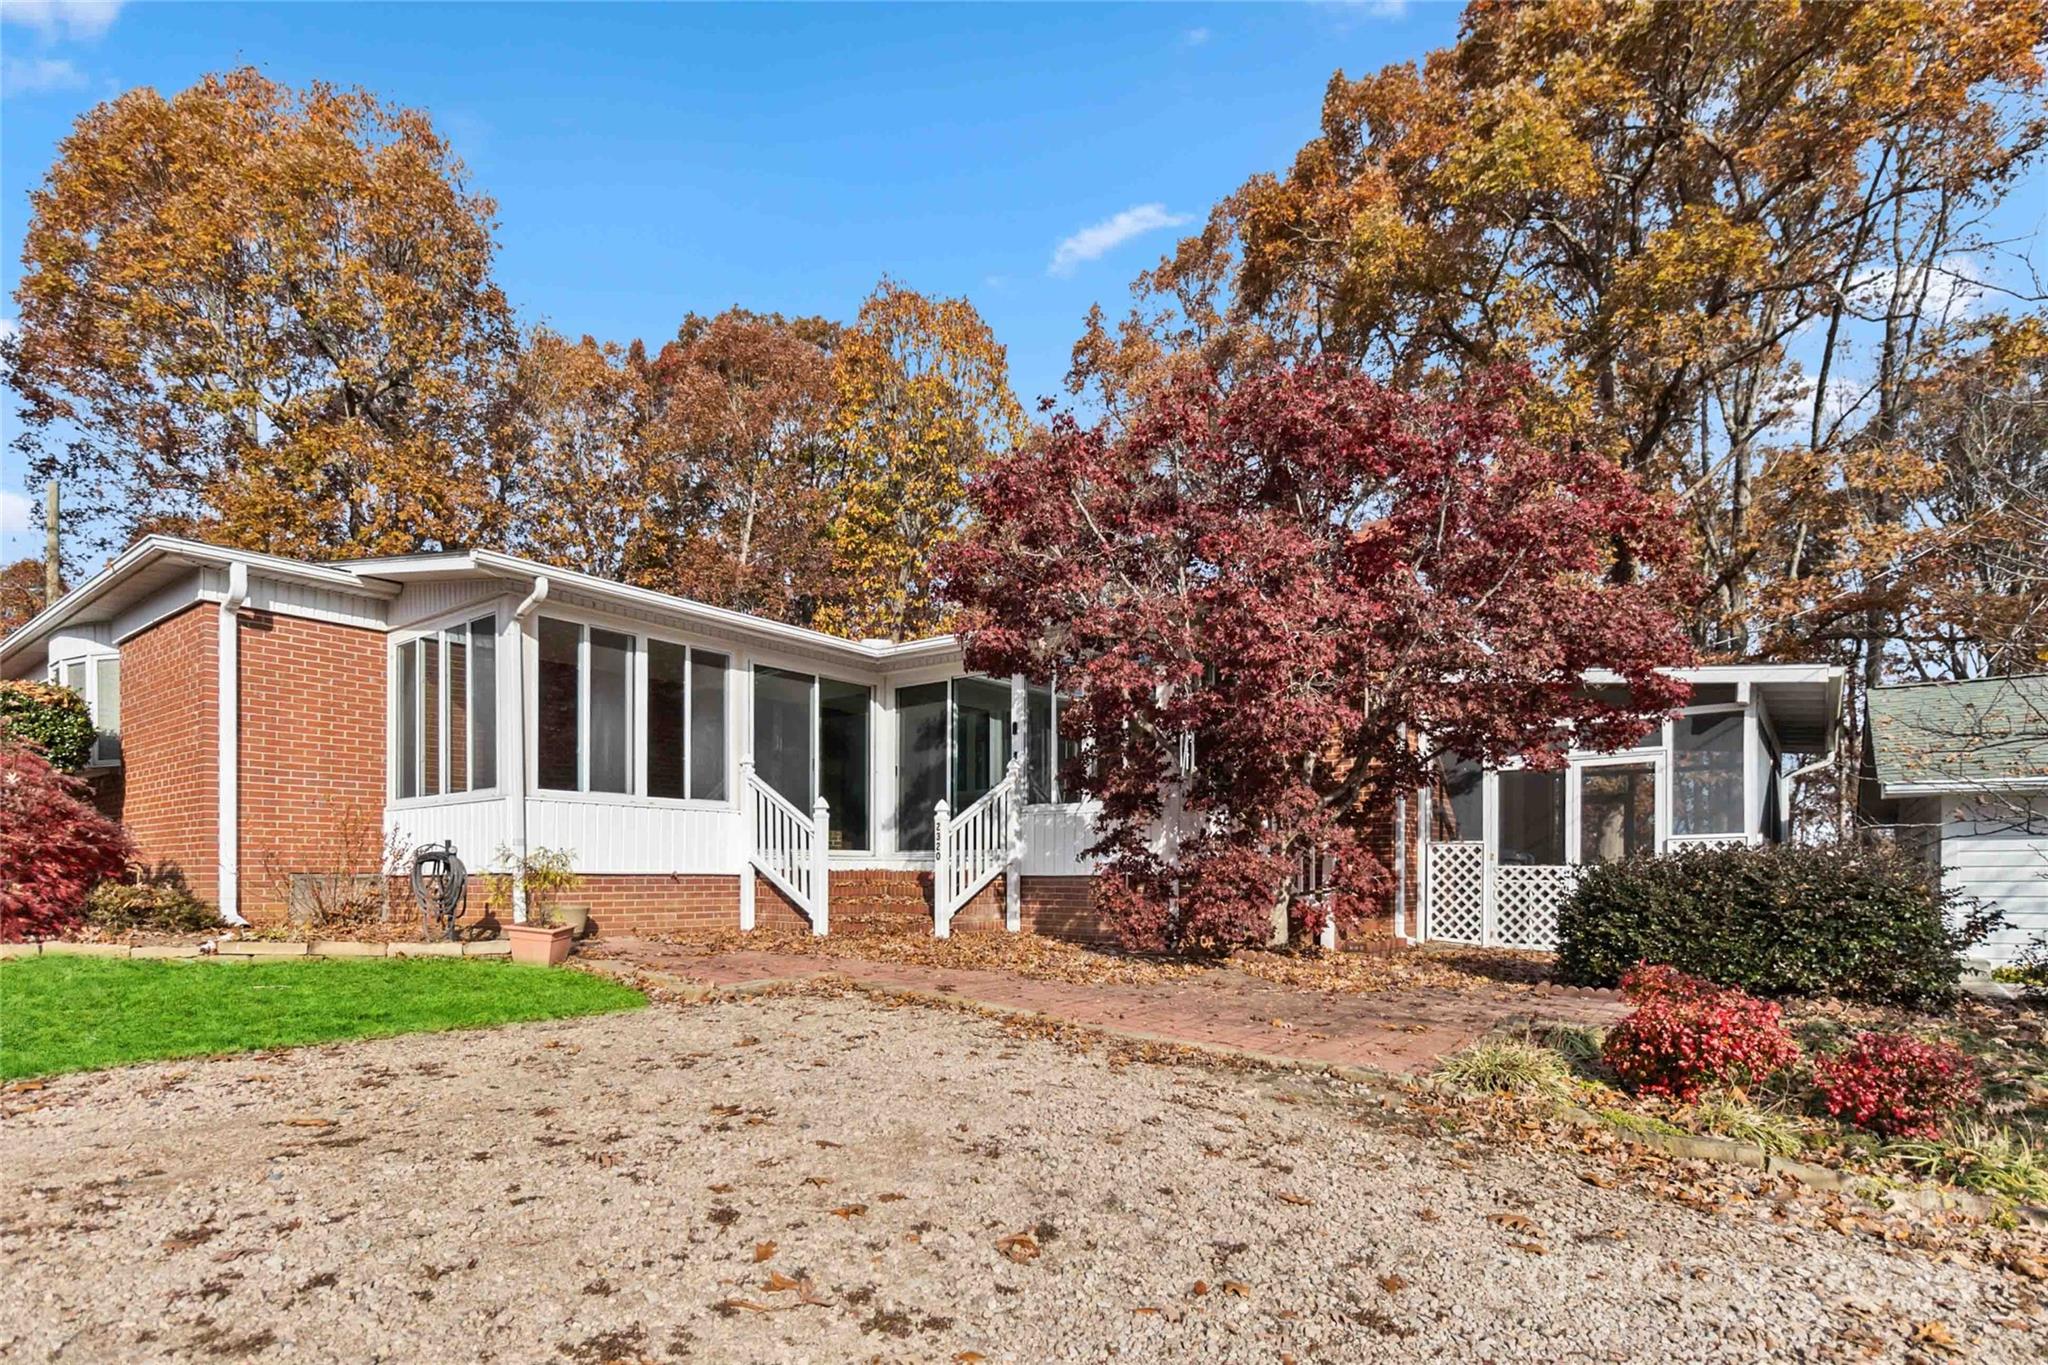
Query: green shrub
x=54 y=719
x=157 y=900
x=1843 y=919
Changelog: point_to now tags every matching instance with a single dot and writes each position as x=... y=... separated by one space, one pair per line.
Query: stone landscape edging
x=249 y=949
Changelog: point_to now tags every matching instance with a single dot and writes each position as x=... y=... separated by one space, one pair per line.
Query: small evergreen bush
x=1843 y=919
x=55 y=720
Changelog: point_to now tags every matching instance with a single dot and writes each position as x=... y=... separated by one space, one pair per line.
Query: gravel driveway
x=818 y=1178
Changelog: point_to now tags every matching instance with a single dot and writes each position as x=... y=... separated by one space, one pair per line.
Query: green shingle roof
x=1962 y=735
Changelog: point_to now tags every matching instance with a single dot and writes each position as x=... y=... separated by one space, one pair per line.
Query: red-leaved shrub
x=1687 y=1034
x=54 y=846
x=1896 y=1085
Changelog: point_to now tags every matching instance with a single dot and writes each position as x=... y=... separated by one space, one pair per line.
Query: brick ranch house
x=266 y=721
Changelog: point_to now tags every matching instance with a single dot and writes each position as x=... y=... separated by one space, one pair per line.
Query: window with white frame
x=1707 y=772
x=593 y=727
x=448 y=710
x=97 y=678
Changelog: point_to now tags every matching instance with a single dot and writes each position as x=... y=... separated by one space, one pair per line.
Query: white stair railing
x=973 y=848
x=789 y=847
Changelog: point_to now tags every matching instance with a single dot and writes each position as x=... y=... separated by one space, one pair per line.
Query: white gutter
x=512 y=771
x=228 y=763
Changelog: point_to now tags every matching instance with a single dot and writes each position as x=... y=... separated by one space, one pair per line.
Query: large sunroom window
x=593 y=728
x=448 y=710
x=97 y=678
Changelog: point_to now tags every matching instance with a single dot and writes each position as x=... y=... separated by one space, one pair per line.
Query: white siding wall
x=1056 y=839
x=476 y=827
x=1997 y=849
x=622 y=836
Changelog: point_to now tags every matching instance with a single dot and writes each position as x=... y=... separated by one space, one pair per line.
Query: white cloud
x=16 y=512
x=9 y=328
x=54 y=19
x=1194 y=37
x=1954 y=285
x=38 y=76
x=1092 y=243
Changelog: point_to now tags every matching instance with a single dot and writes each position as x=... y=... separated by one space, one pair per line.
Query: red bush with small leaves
x=54 y=846
x=1897 y=1085
x=1687 y=1034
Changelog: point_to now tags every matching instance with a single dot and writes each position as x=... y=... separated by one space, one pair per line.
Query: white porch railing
x=789 y=848
x=972 y=848
x=1679 y=842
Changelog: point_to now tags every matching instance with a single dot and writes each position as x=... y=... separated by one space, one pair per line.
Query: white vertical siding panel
x=1056 y=840
x=620 y=837
x=476 y=827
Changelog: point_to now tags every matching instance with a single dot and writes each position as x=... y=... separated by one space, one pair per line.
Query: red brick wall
x=312 y=755
x=169 y=738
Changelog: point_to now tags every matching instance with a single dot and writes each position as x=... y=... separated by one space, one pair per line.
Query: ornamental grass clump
x=1896 y=1085
x=1688 y=1034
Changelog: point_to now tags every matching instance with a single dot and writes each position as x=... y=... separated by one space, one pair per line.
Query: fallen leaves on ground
x=1020 y=1247
x=762 y=1251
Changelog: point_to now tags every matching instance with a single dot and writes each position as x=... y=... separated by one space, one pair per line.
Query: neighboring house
x=1959 y=772
x=271 y=721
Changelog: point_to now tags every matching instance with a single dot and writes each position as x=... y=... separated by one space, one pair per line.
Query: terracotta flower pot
x=542 y=945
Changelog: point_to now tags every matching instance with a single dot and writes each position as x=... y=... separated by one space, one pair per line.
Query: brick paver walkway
x=1404 y=1029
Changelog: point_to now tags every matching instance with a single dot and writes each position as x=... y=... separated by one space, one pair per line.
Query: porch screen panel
x=668 y=671
x=981 y=738
x=1617 y=812
x=1531 y=818
x=1706 y=774
x=843 y=761
x=1461 y=809
x=430 y=688
x=557 y=713
x=483 y=703
x=458 y=711
x=1042 y=778
x=707 y=725
x=611 y=711
x=782 y=733
x=920 y=762
x=408 y=721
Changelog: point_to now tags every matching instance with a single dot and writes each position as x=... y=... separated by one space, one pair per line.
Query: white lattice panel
x=1525 y=901
x=1457 y=892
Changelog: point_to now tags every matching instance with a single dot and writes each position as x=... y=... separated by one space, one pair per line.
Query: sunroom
x=651 y=736
x=1499 y=849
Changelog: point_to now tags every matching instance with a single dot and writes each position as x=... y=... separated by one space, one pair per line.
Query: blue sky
x=650 y=160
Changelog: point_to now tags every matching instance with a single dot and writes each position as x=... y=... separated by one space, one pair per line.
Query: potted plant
x=542 y=938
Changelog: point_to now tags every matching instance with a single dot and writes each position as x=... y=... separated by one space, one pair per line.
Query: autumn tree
x=922 y=400
x=743 y=476
x=1732 y=238
x=265 y=316
x=1277 y=601
x=21 y=594
x=577 y=493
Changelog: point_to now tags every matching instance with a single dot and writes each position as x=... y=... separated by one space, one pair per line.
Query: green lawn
x=80 y=1013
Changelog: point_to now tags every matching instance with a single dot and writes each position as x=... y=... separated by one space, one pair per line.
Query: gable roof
x=1937 y=737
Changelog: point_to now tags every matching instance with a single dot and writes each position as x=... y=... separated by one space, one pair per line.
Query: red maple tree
x=1273 y=604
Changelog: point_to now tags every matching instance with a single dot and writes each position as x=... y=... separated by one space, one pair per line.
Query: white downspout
x=1826 y=760
x=513 y=770
x=228 y=764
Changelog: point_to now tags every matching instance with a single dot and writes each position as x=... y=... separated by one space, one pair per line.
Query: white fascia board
x=1756 y=673
x=196 y=553
x=1966 y=786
